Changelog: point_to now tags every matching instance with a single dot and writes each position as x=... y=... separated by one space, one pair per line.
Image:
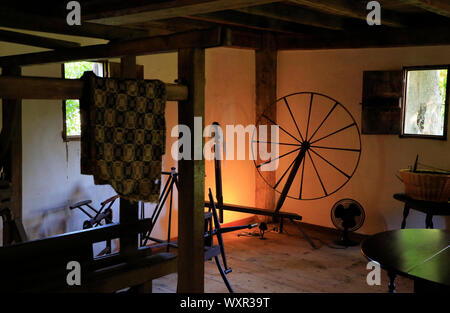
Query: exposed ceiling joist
x=15 y=19
x=35 y=41
x=296 y=15
x=441 y=7
x=169 y=9
x=351 y=9
x=144 y=46
x=366 y=39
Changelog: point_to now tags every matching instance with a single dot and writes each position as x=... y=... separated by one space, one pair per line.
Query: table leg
x=429 y=221
x=405 y=215
x=391 y=284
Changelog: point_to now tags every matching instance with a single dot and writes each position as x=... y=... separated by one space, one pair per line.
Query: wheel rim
x=311 y=131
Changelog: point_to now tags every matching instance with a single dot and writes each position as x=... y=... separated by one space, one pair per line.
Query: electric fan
x=347 y=215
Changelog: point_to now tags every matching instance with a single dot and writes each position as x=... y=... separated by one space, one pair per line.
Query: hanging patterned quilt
x=123 y=134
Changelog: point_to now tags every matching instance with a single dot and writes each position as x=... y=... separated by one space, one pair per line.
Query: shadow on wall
x=59 y=219
x=48 y=222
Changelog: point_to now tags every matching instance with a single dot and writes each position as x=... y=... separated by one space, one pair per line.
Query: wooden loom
x=132 y=267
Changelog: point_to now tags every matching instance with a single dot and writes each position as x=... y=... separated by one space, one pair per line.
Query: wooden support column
x=191 y=195
x=129 y=211
x=11 y=141
x=266 y=94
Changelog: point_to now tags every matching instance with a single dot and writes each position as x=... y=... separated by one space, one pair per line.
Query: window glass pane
x=425 y=102
x=75 y=70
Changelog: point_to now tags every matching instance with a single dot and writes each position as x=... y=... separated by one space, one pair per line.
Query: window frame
x=406 y=69
x=66 y=137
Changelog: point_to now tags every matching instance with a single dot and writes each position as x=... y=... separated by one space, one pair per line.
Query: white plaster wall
x=230 y=100
x=338 y=74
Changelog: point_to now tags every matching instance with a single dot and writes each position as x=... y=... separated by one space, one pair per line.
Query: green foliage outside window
x=443 y=86
x=74 y=70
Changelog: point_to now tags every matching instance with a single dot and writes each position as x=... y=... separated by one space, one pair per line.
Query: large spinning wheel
x=319 y=146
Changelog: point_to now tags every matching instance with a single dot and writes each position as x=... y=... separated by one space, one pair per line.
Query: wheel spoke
x=339 y=170
x=301 y=181
x=323 y=121
x=284 y=174
x=309 y=115
x=270 y=120
x=281 y=156
x=317 y=173
x=292 y=116
x=332 y=148
x=335 y=132
x=278 y=143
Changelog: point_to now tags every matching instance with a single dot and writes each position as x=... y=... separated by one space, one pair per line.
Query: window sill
x=434 y=137
x=71 y=138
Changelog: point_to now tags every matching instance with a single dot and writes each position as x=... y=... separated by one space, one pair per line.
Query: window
x=425 y=102
x=71 y=108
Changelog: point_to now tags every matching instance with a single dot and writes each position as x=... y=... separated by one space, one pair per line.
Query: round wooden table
x=420 y=254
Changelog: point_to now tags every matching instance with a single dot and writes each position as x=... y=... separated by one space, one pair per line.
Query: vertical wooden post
x=129 y=211
x=191 y=195
x=12 y=128
x=266 y=94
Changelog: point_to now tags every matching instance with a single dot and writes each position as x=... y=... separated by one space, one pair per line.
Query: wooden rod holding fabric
x=12 y=87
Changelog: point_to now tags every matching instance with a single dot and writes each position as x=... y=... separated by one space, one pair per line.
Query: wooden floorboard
x=286 y=263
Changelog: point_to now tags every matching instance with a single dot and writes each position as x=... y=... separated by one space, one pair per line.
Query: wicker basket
x=426 y=185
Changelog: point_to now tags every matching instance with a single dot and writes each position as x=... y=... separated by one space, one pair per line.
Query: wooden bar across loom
x=12 y=87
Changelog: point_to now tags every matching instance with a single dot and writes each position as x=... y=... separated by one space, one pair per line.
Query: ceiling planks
x=20 y=20
x=351 y=9
x=441 y=7
x=296 y=14
x=339 y=22
x=235 y=18
x=169 y=9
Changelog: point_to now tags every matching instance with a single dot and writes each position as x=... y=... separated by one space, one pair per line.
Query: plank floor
x=286 y=263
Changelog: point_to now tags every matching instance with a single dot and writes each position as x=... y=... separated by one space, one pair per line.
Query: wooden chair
x=102 y=215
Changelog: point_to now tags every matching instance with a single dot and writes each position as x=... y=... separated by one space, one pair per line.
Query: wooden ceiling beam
x=15 y=19
x=12 y=87
x=366 y=39
x=295 y=14
x=35 y=41
x=441 y=7
x=169 y=9
x=158 y=44
x=243 y=39
x=351 y=9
